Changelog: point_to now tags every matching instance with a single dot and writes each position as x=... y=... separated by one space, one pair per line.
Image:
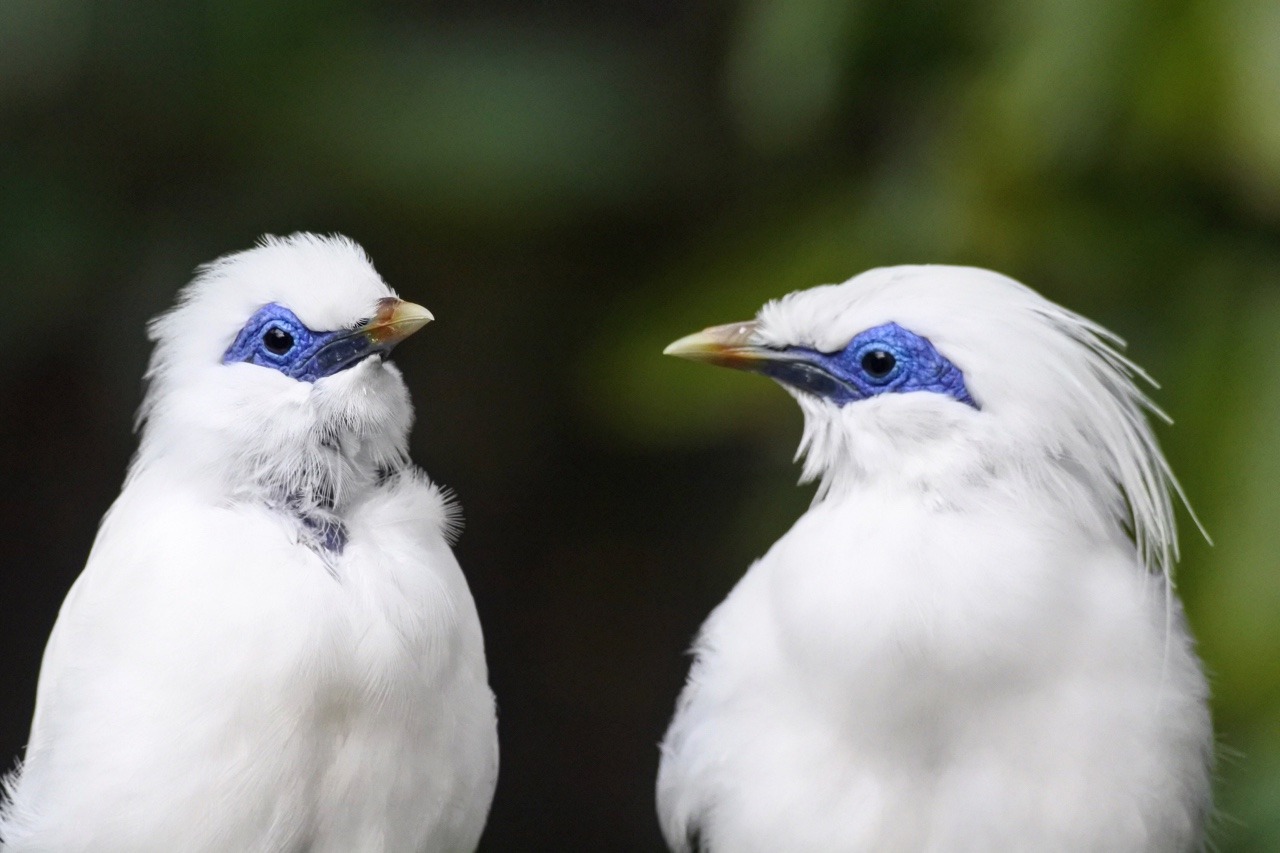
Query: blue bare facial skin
x=887 y=359
x=275 y=338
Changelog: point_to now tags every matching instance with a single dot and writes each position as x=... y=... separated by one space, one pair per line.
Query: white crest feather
x=272 y=646
x=288 y=450
x=1059 y=404
x=957 y=646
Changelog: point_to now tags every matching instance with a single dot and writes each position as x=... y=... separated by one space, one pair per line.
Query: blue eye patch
x=274 y=337
x=881 y=360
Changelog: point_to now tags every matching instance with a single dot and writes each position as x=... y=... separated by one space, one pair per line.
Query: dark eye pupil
x=878 y=363
x=277 y=340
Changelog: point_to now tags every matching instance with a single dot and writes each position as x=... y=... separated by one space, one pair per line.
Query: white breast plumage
x=227 y=674
x=958 y=647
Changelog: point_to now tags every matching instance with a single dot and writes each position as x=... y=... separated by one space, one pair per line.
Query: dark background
x=569 y=185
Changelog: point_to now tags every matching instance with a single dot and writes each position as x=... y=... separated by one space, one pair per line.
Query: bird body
x=957 y=648
x=272 y=646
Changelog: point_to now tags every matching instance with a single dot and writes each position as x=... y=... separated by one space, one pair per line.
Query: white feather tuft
x=1059 y=405
x=268 y=437
x=957 y=646
x=272 y=646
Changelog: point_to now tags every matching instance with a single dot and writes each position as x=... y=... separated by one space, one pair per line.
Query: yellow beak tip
x=677 y=347
x=410 y=313
x=396 y=320
x=726 y=345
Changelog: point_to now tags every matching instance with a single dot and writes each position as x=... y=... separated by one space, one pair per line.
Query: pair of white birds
x=969 y=643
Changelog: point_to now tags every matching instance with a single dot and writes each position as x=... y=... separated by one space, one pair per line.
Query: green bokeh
x=582 y=186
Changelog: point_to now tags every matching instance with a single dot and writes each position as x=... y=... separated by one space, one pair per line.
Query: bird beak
x=394 y=321
x=731 y=345
x=737 y=345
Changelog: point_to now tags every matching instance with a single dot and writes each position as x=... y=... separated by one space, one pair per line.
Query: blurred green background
x=569 y=185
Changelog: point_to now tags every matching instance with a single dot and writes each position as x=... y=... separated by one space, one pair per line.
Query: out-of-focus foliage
x=571 y=185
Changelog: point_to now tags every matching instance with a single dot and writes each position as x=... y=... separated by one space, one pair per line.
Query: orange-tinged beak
x=394 y=321
x=731 y=345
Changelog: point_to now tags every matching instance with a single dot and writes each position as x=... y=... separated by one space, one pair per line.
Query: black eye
x=878 y=363
x=277 y=340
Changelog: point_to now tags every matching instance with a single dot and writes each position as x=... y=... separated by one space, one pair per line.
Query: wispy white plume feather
x=970 y=641
x=271 y=647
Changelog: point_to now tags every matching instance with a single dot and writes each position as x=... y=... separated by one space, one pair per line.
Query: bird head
x=950 y=379
x=270 y=373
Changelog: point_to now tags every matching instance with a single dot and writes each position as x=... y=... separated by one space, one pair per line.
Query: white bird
x=970 y=642
x=271 y=647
